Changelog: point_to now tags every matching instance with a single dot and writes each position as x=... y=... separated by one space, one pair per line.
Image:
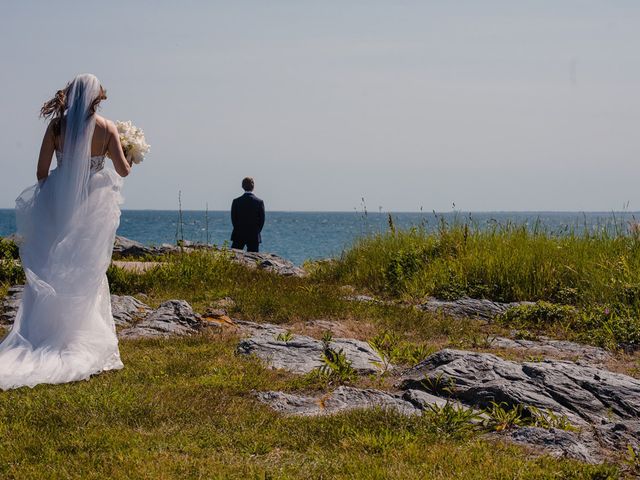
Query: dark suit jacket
x=247 y=217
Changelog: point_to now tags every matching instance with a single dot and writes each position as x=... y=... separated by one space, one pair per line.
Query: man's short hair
x=247 y=184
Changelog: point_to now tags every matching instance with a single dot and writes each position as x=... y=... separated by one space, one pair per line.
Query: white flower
x=134 y=144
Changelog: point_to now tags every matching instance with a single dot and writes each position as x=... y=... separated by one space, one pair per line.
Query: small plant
x=548 y=419
x=285 y=336
x=451 y=420
x=385 y=344
x=327 y=338
x=503 y=417
x=336 y=367
x=8 y=250
x=10 y=269
x=535 y=358
x=412 y=354
x=633 y=459
x=439 y=384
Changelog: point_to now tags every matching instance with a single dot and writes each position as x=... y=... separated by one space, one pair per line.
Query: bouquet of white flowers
x=134 y=144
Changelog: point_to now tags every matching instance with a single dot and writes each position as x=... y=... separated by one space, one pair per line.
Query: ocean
x=299 y=236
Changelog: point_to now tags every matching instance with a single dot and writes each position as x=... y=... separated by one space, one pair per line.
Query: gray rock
x=556 y=443
x=302 y=354
x=468 y=307
x=10 y=304
x=340 y=400
x=423 y=400
x=127 y=310
x=125 y=247
x=365 y=299
x=586 y=395
x=172 y=318
x=555 y=348
x=614 y=435
x=269 y=262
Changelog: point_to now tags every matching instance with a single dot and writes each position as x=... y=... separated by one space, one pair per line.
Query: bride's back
x=99 y=142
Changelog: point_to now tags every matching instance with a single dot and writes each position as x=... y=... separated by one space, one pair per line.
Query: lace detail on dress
x=97 y=162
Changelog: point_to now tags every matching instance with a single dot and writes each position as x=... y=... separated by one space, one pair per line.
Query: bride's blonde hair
x=55 y=108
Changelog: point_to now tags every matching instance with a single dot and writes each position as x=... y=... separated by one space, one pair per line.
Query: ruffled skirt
x=64 y=330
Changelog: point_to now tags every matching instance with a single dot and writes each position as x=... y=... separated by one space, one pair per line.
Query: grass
x=598 y=275
x=202 y=278
x=183 y=408
x=503 y=263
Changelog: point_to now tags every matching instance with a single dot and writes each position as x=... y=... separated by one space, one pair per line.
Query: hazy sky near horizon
x=493 y=105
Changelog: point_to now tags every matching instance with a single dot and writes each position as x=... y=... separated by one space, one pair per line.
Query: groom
x=247 y=217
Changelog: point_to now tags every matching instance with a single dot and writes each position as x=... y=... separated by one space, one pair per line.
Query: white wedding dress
x=64 y=330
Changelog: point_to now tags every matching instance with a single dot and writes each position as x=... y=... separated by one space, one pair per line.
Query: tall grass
x=504 y=263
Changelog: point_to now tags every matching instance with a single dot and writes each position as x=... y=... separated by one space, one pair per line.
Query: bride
x=66 y=224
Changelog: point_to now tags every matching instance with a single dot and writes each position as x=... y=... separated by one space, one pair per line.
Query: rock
x=125 y=247
x=269 y=262
x=302 y=354
x=10 y=304
x=586 y=395
x=364 y=299
x=172 y=318
x=127 y=310
x=468 y=307
x=556 y=443
x=338 y=328
x=554 y=348
x=340 y=400
x=217 y=317
x=130 y=248
x=619 y=434
x=423 y=400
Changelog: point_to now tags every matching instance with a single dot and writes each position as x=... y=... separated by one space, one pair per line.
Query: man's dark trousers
x=247 y=217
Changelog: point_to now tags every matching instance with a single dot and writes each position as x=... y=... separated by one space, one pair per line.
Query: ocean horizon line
x=373 y=212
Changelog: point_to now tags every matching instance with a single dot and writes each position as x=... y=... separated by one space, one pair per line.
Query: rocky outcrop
x=556 y=443
x=128 y=310
x=340 y=400
x=468 y=307
x=172 y=318
x=124 y=248
x=301 y=354
x=588 y=396
x=10 y=304
x=269 y=262
x=554 y=348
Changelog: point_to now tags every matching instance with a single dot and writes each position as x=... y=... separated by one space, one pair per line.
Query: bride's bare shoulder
x=103 y=121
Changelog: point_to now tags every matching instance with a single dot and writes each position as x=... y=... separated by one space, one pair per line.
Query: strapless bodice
x=97 y=162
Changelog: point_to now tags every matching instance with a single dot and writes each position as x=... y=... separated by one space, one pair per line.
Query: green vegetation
x=183 y=408
x=10 y=270
x=503 y=263
x=586 y=286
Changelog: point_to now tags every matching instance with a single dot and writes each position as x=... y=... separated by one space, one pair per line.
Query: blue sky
x=493 y=105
